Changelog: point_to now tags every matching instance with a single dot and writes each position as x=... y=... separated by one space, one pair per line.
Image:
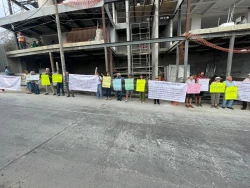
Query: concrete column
x=196 y=21
x=128 y=35
x=155 y=46
x=177 y=48
x=52 y=61
x=230 y=55
x=248 y=15
x=186 y=60
x=169 y=32
x=114 y=13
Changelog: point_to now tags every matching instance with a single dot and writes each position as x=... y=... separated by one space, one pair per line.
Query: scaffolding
x=140 y=54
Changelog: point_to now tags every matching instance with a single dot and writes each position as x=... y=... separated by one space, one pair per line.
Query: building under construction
x=174 y=37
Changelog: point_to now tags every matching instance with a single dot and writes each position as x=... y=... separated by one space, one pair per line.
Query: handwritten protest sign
x=243 y=91
x=140 y=85
x=32 y=77
x=193 y=88
x=106 y=81
x=204 y=84
x=117 y=84
x=231 y=93
x=129 y=84
x=45 y=80
x=57 y=78
x=170 y=91
x=83 y=82
x=10 y=82
x=217 y=87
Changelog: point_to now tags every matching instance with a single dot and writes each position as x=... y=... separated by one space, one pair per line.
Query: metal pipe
x=105 y=39
x=188 y=17
x=186 y=60
x=128 y=35
x=177 y=48
x=52 y=61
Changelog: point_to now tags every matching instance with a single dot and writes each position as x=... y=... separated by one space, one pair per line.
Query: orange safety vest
x=21 y=39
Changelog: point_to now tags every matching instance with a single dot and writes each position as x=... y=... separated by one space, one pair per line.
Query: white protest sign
x=243 y=91
x=204 y=84
x=83 y=82
x=32 y=77
x=10 y=82
x=170 y=91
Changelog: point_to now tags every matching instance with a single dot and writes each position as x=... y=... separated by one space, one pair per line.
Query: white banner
x=170 y=91
x=243 y=91
x=83 y=82
x=204 y=84
x=10 y=82
x=32 y=77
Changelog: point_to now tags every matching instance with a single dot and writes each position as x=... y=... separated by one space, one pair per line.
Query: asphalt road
x=59 y=142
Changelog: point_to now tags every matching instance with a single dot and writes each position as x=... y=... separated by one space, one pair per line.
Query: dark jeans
x=244 y=105
x=35 y=88
x=119 y=95
x=59 y=87
x=108 y=92
x=156 y=101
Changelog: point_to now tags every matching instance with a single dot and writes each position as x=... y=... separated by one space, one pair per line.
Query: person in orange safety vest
x=21 y=40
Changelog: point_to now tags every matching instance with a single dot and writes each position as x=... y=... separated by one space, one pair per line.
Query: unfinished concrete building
x=135 y=37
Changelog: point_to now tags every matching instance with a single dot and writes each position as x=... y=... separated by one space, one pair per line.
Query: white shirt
x=99 y=80
x=188 y=81
x=246 y=80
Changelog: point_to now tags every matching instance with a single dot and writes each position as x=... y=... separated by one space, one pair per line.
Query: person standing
x=215 y=97
x=119 y=93
x=108 y=90
x=66 y=80
x=229 y=82
x=21 y=40
x=157 y=100
x=99 y=86
x=59 y=86
x=189 y=96
x=129 y=93
x=28 y=82
x=34 y=44
x=34 y=84
x=8 y=71
x=51 y=83
x=201 y=94
x=244 y=104
x=142 y=94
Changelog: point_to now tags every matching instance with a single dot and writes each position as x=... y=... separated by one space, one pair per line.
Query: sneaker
x=73 y=95
x=216 y=107
x=200 y=105
x=187 y=105
x=243 y=108
x=58 y=95
x=223 y=107
x=68 y=95
x=46 y=94
x=54 y=94
x=159 y=103
x=154 y=103
x=191 y=106
x=230 y=108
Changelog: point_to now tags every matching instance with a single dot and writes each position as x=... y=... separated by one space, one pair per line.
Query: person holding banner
x=244 y=105
x=66 y=80
x=28 y=83
x=215 y=97
x=189 y=96
x=8 y=71
x=34 y=84
x=201 y=94
x=229 y=82
x=108 y=87
x=59 y=85
x=119 y=89
x=51 y=83
x=129 y=91
x=99 y=86
x=140 y=87
x=157 y=100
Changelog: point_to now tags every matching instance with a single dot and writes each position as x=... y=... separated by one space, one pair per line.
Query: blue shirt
x=8 y=72
x=228 y=83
